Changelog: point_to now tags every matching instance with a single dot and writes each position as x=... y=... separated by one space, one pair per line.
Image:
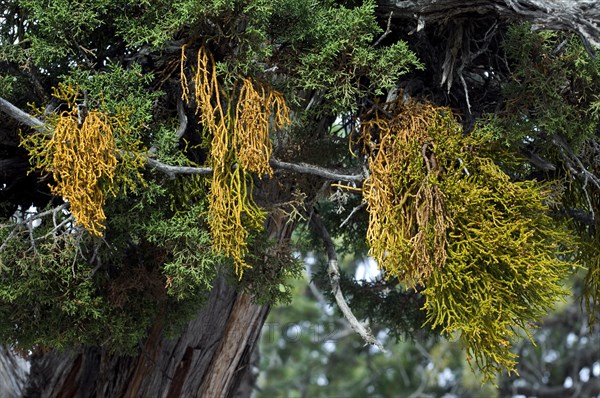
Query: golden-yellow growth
x=238 y=123
x=80 y=154
x=407 y=223
x=442 y=216
x=254 y=110
x=84 y=155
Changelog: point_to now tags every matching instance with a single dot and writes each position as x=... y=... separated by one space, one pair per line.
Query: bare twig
x=77 y=250
x=57 y=228
x=582 y=173
x=8 y=238
x=29 y=224
x=52 y=211
x=303 y=168
x=357 y=208
x=334 y=278
x=388 y=30
x=26 y=225
x=97 y=245
x=464 y=84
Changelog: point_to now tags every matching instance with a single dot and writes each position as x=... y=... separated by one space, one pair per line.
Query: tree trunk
x=208 y=359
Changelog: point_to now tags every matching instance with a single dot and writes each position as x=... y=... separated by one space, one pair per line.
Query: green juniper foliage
x=552 y=112
x=537 y=101
x=159 y=265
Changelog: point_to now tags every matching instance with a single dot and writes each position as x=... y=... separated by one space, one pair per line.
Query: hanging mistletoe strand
x=407 y=224
x=239 y=127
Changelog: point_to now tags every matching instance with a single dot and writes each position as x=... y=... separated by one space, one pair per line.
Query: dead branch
x=388 y=30
x=23 y=117
x=172 y=171
x=26 y=225
x=334 y=278
x=304 y=168
x=357 y=208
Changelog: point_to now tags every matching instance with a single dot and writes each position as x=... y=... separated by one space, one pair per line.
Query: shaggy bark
x=582 y=17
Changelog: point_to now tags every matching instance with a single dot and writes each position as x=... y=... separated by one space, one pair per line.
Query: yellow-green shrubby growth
x=551 y=108
x=504 y=269
x=484 y=247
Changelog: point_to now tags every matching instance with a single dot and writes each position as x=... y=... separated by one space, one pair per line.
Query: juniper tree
x=157 y=159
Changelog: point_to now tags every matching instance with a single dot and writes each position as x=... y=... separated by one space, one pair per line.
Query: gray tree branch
x=327 y=174
x=23 y=117
x=172 y=171
x=33 y=122
x=581 y=17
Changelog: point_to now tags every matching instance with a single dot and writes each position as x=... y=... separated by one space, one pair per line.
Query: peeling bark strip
x=207 y=359
x=242 y=330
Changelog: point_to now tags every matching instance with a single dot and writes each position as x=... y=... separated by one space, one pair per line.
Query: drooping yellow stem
x=239 y=127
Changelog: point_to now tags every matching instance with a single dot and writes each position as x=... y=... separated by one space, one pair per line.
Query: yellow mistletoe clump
x=442 y=216
x=407 y=230
x=254 y=109
x=84 y=155
x=81 y=156
x=238 y=123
